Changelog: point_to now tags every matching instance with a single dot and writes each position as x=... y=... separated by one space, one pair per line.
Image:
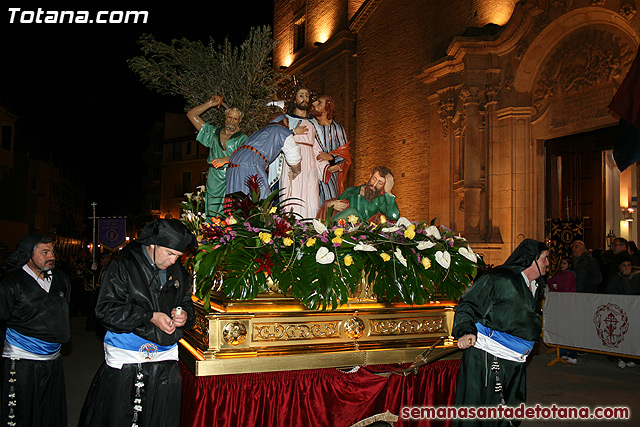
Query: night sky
x=80 y=105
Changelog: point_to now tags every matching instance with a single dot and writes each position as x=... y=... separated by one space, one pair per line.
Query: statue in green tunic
x=367 y=201
x=222 y=142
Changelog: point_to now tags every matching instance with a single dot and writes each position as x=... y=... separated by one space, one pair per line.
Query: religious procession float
x=275 y=293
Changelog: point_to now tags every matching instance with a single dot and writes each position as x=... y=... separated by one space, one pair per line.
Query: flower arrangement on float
x=260 y=246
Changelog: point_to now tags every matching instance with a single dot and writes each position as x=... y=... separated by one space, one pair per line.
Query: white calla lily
x=432 y=231
x=319 y=226
x=425 y=244
x=364 y=247
x=324 y=256
x=443 y=258
x=403 y=222
x=468 y=254
x=401 y=258
x=390 y=229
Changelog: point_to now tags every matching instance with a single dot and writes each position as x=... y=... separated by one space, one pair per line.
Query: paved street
x=594 y=381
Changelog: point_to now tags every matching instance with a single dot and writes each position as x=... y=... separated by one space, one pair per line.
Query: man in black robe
x=144 y=303
x=497 y=321
x=34 y=306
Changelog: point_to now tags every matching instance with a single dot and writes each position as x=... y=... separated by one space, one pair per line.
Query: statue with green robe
x=368 y=201
x=222 y=142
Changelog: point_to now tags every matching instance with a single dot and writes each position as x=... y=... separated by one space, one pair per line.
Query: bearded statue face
x=374 y=187
x=318 y=107
x=302 y=99
x=233 y=118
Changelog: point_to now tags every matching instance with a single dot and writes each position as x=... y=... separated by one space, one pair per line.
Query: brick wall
x=379 y=99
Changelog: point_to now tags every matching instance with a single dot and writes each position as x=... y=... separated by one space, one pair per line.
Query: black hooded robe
x=40 y=397
x=500 y=300
x=129 y=294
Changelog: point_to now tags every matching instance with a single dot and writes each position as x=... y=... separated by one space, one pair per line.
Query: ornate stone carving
x=521 y=48
x=564 y=4
x=446 y=110
x=585 y=59
x=406 y=326
x=627 y=10
x=507 y=85
x=541 y=22
x=471 y=94
x=234 y=333
x=295 y=331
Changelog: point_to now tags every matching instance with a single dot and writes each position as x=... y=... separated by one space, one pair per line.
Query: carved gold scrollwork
x=268 y=332
x=364 y=292
x=201 y=326
x=406 y=326
x=354 y=328
x=294 y=331
x=234 y=333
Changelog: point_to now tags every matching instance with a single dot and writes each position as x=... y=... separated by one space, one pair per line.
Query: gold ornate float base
x=277 y=333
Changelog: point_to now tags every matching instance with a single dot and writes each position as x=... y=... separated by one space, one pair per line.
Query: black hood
x=170 y=233
x=24 y=250
x=524 y=255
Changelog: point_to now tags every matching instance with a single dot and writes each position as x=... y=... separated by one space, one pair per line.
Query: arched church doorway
x=583 y=182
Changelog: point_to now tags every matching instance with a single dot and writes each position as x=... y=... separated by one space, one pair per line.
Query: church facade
x=492 y=115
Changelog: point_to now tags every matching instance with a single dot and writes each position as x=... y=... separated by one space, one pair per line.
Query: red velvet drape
x=317 y=397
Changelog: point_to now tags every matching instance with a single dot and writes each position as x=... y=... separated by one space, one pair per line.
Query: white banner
x=609 y=323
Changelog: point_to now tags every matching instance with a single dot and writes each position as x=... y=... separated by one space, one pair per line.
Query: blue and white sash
x=121 y=349
x=19 y=346
x=502 y=344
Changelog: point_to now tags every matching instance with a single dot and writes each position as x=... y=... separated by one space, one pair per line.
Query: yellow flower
x=272 y=210
x=426 y=263
x=338 y=232
x=352 y=219
x=348 y=260
x=411 y=227
x=409 y=233
x=231 y=220
x=385 y=256
x=311 y=242
x=337 y=240
x=383 y=219
x=265 y=237
x=287 y=241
